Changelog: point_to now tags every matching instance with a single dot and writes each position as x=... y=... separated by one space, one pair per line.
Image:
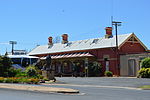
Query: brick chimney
x=50 y=40
x=64 y=38
x=108 y=32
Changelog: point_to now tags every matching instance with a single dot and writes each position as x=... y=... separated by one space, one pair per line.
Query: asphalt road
x=106 y=81
x=90 y=89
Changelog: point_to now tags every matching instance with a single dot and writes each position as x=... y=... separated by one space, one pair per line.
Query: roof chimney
x=50 y=40
x=108 y=32
x=65 y=38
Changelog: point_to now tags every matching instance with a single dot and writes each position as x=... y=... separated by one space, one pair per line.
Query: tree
x=145 y=63
x=31 y=71
x=5 y=64
x=1 y=66
x=95 y=69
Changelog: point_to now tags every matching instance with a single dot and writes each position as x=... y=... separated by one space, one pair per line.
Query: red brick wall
x=125 y=49
x=99 y=53
x=129 y=47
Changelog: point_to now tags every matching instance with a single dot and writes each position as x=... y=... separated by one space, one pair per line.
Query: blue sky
x=31 y=22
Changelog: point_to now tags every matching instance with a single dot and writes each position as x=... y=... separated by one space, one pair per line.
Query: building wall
x=130 y=47
x=124 y=67
x=107 y=54
x=131 y=51
x=118 y=65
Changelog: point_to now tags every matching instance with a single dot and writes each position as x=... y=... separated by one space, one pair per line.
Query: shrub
x=24 y=80
x=28 y=80
x=95 y=69
x=145 y=63
x=15 y=80
x=144 y=73
x=39 y=76
x=21 y=74
x=8 y=80
x=19 y=80
x=31 y=71
x=1 y=79
x=33 y=80
x=45 y=79
x=13 y=72
x=108 y=73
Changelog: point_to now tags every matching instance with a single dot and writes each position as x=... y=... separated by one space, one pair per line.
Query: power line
x=4 y=43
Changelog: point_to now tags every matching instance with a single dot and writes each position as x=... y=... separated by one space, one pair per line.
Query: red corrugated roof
x=70 y=55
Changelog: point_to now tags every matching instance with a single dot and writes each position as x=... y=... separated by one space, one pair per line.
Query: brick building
x=79 y=54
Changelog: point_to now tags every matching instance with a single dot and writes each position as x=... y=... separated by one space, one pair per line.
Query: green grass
x=145 y=87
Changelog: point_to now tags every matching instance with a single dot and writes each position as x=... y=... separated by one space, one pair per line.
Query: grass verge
x=145 y=87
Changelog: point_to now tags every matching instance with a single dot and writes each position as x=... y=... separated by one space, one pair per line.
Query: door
x=131 y=67
x=107 y=65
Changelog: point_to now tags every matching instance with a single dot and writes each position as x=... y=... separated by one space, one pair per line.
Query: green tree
x=145 y=63
x=31 y=71
x=1 y=66
x=12 y=72
x=95 y=69
x=5 y=64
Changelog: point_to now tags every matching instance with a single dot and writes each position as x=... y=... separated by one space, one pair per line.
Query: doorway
x=131 y=67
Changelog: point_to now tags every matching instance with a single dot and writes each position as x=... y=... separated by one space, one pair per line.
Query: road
x=90 y=89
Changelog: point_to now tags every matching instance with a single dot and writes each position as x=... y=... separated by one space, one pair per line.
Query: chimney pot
x=108 y=32
x=65 y=38
x=50 y=40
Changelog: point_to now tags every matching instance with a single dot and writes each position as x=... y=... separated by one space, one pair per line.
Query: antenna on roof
x=112 y=2
x=112 y=22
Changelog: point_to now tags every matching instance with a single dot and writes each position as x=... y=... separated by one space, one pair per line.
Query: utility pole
x=116 y=24
x=12 y=43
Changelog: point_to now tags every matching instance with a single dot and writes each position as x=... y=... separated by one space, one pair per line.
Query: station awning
x=70 y=55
